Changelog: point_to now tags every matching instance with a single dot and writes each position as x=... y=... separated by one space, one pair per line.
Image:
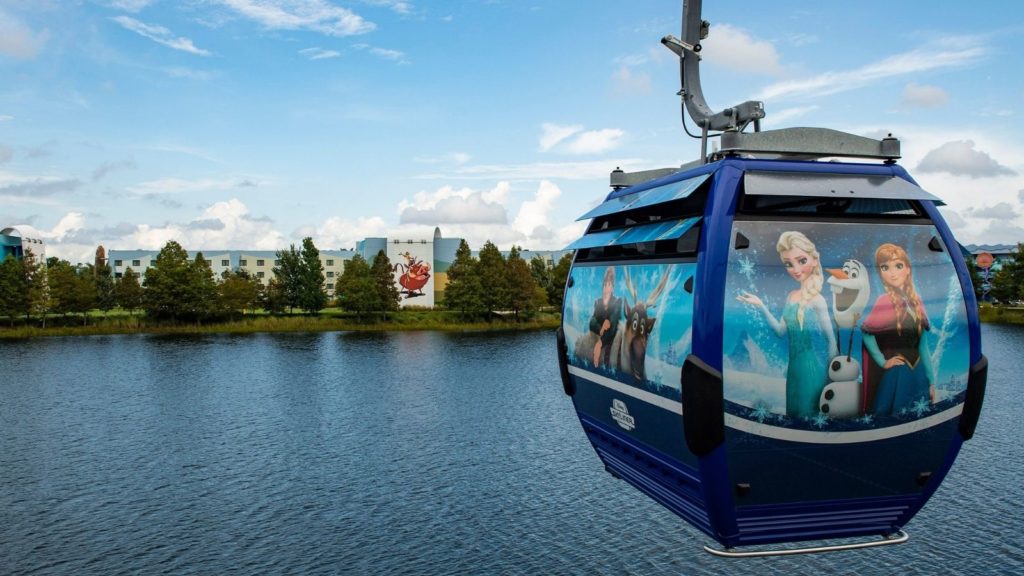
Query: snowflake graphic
x=745 y=268
x=761 y=413
x=921 y=407
x=865 y=419
x=820 y=420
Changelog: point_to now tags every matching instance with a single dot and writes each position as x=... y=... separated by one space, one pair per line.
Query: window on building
x=330 y=273
x=260 y=263
x=243 y=262
x=136 y=263
x=259 y=274
x=277 y=262
x=118 y=275
x=330 y=262
x=118 y=263
x=330 y=286
x=225 y=263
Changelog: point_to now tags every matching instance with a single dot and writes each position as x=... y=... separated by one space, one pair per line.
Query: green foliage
x=559 y=276
x=524 y=295
x=238 y=291
x=104 y=281
x=39 y=300
x=357 y=292
x=72 y=289
x=1008 y=282
x=273 y=297
x=203 y=298
x=494 y=284
x=288 y=273
x=311 y=297
x=463 y=292
x=168 y=294
x=13 y=288
x=383 y=275
x=128 y=292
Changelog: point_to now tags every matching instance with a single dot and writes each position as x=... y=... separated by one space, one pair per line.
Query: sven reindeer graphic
x=629 y=348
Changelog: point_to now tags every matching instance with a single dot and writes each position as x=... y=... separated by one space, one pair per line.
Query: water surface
x=404 y=453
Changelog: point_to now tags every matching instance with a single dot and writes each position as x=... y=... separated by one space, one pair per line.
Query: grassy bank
x=330 y=320
x=1001 y=314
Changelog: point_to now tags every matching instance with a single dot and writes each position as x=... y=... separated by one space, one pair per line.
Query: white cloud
x=1000 y=211
x=339 y=233
x=130 y=5
x=385 y=53
x=573 y=140
x=735 y=49
x=6 y=117
x=160 y=35
x=5 y=153
x=589 y=170
x=787 y=114
x=181 y=185
x=450 y=206
x=552 y=134
x=915 y=61
x=595 y=141
x=625 y=82
x=961 y=158
x=924 y=96
x=319 y=53
x=533 y=216
x=314 y=15
x=396 y=6
x=17 y=39
x=452 y=157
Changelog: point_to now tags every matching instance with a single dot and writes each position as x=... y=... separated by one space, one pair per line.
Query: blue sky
x=253 y=123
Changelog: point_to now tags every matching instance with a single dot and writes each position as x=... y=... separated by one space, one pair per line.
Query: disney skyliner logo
x=621 y=415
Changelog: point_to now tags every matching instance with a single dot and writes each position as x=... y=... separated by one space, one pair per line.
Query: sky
x=251 y=124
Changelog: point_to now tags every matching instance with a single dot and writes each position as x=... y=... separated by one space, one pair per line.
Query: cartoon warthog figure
x=629 y=348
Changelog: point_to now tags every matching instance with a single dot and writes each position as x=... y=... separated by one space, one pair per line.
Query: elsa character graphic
x=805 y=321
x=899 y=373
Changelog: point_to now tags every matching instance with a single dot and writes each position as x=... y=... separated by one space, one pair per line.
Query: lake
x=396 y=453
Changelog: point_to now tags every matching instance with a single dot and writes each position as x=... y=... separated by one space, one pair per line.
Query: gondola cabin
x=776 y=350
x=778 y=342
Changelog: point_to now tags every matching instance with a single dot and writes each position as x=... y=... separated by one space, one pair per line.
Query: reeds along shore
x=123 y=323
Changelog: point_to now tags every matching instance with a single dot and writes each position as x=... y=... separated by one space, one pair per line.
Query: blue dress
x=806 y=375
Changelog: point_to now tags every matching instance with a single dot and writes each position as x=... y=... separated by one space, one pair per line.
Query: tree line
x=179 y=289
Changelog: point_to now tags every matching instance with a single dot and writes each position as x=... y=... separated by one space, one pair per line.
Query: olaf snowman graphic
x=850 y=293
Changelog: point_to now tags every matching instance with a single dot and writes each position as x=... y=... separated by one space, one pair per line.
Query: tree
x=39 y=300
x=311 y=297
x=357 y=291
x=559 y=276
x=383 y=276
x=83 y=294
x=1008 y=282
x=202 y=289
x=524 y=295
x=493 y=278
x=541 y=274
x=463 y=292
x=104 y=280
x=273 y=297
x=167 y=292
x=128 y=292
x=62 y=279
x=238 y=290
x=13 y=288
x=288 y=272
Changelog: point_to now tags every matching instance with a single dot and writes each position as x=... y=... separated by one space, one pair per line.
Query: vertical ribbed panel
x=666 y=481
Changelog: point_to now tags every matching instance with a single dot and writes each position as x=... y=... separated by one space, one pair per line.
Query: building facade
x=419 y=265
x=14 y=243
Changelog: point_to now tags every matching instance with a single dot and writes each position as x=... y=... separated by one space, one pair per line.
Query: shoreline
x=257 y=324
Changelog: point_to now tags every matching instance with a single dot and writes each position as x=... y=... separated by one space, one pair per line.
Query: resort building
x=14 y=243
x=420 y=264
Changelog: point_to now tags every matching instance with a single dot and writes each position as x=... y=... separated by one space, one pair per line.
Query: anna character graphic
x=805 y=322
x=899 y=373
